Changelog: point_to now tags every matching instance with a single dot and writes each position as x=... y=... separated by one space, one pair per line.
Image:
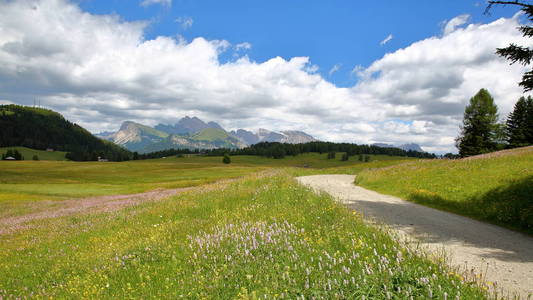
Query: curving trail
x=502 y=256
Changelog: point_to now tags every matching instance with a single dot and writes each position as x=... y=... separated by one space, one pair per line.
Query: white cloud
x=186 y=22
x=167 y=3
x=386 y=40
x=99 y=70
x=454 y=23
x=334 y=69
x=243 y=46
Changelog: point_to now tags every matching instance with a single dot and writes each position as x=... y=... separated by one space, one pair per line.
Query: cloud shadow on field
x=437 y=227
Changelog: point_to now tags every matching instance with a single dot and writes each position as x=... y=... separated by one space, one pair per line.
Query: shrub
x=226 y=159
x=35 y=157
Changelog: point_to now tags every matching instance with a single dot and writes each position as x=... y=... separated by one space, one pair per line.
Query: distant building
x=102 y=159
x=50 y=150
x=9 y=158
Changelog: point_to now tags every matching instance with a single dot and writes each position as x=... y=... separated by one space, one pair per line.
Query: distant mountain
x=412 y=147
x=42 y=129
x=246 y=136
x=406 y=147
x=193 y=133
x=296 y=137
x=187 y=125
x=143 y=139
x=135 y=136
x=264 y=135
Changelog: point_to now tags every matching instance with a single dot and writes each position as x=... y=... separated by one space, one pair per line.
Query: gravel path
x=502 y=256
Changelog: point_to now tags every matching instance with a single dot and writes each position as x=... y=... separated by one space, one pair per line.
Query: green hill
x=41 y=129
x=43 y=155
x=210 y=134
x=494 y=187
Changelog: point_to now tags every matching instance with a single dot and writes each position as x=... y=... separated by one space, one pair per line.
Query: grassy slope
x=146 y=130
x=210 y=134
x=495 y=187
x=267 y=237
x=43 y=155
x=24 y=182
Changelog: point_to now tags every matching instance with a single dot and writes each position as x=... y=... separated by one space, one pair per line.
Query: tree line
x=481 y=131
x=42 y=129
x=280 y=150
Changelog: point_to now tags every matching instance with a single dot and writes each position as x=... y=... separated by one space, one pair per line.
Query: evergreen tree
x=361 y=158
x=345 y=157
x=367 y=158
x=332 y=155
x=226 y=159
x=515 y=53
x=35 y=157
x=478 y=133
x=17 y=155
x=519 y=123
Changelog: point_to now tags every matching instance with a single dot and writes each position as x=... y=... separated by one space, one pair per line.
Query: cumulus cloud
x=386 y=40
x=185 y=22
x=334 y=69
x=454 y=23
x=99 y=70
x=167 y=3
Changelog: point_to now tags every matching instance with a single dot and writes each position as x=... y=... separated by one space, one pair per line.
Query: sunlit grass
x=496 y=188
x=256 y=238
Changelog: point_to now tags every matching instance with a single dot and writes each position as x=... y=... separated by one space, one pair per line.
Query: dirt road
x=503 y=256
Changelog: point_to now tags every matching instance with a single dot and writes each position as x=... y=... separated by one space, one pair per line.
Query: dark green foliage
x=226 y=159
x=519 y=125
x=345 y=157
x=367 y=158
x=361 y=157
x=332 y=155
x=515 y=53
x=135 y=155
x=40 y=129
x=35 y=157
x=279 y=150
x=451 y=156
x=478 y=133
x=13 y=153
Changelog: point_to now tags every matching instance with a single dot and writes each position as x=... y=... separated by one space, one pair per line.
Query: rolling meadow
x=245 y=230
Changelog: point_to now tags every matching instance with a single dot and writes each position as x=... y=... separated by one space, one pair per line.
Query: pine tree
x=226 y=159
x=518 y=126
x=345 y=157
x=516 y=53
x=478 y=132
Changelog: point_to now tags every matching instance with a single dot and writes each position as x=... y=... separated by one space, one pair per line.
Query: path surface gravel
x=503 y=256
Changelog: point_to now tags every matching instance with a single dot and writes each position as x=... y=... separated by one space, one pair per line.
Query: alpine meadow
x=167 y=149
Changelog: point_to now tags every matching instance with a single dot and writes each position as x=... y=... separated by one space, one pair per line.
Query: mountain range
x=406 y=147
x=193 y=133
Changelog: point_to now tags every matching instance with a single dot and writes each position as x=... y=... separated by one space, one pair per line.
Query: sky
x=346 y=71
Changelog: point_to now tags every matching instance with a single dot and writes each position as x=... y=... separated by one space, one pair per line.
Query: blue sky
x=337 y=32
x=280 y=65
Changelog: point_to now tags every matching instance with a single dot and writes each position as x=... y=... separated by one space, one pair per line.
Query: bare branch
x=519 y=3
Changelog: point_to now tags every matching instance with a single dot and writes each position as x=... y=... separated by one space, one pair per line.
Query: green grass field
x=22 y=183
x=497 y=187
x=258 y=238
x=29 y=153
